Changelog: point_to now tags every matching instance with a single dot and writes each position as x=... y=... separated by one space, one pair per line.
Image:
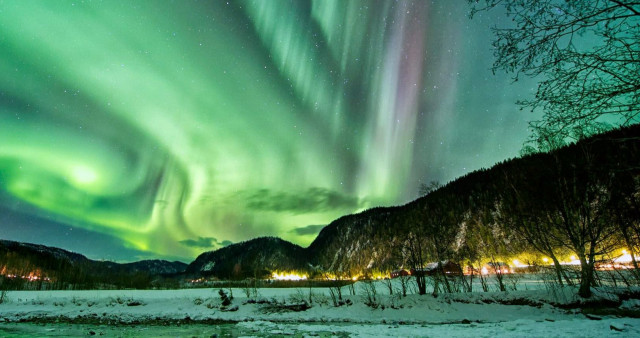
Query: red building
x=399 y=273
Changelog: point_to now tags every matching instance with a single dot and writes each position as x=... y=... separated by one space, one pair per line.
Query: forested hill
x=20 y=262
x=583 y=198
x=472 y=218
x=258 y=257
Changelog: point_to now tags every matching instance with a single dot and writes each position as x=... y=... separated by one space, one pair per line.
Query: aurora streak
x=138 y=129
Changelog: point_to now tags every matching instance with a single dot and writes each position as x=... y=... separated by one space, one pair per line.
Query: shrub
x=226 y=301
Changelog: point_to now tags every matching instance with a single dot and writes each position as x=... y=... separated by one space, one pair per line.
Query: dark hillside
x=258 y=257
x=373 y=239
x=27 y=265
x=474 y=217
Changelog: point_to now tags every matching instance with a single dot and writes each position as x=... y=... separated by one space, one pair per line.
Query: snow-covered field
x=532 y=310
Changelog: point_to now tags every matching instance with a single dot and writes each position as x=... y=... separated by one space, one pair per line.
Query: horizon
x=148 y=130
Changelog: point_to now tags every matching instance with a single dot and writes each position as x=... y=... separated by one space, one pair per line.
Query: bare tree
x=586 y=53
x=433 y=239
x=443 y=217
x=425 y=189
x=625 y=212
x=414 y=250
x=522 y=213
x=491 y=244
x=570 y=208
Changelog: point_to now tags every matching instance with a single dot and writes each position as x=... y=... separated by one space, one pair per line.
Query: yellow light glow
x=288 y=276
x=545 y=259
x=626 y=258
x=624 y=252
x=572 y=261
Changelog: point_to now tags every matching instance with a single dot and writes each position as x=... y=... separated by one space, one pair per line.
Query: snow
x=208 y=267
x=461 y=314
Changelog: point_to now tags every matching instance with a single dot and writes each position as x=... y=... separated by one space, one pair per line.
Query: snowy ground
x=197 y=312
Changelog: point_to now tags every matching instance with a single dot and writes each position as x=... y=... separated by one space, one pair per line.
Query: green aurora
x=158 y=129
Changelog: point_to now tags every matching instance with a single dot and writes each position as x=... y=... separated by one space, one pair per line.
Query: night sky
x=156 y=129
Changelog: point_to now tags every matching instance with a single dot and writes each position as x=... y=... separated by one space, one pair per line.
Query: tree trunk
x=560 y=271
x=628 y=241
x=636 y=271
x=586 y=276
x=633 y=258
x=422 y=284
x=630 y=245
x=444 y=277
x=558 y=268
x=436 y=284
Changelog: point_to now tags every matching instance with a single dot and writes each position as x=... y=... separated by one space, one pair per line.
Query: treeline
x=581 y=200
x=35 y=267
x=255 y=258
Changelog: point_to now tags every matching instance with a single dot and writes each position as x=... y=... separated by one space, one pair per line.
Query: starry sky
x=161 y=129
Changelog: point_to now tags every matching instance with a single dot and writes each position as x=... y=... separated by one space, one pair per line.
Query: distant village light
x=288 y=276
x=519 y=264
x=625 y=258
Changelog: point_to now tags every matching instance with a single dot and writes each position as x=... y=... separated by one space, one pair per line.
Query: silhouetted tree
x=442 y=217
x=425 y=189
x=414 y=250
x=522 y=212
x=491 y=241
x=584 y=52
x=625 y=210
x=575 y=201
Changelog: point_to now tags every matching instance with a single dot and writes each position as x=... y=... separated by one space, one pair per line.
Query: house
x=449 y=267
x=496 y=268
x=399 y=273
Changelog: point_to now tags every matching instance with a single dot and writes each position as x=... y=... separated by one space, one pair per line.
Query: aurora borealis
x=144 y=129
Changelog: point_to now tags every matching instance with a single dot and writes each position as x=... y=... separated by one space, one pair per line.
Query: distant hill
x=366 y=241
x=373 y=239
x=68 y=269
x=370 y=241
x=254 y=258
x=155 y=267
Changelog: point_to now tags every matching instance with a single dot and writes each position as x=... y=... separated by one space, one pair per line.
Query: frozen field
x=518 y=328
x=532 y=311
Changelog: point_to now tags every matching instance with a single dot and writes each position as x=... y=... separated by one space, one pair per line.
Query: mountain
x=40 y=251
x=64 y=269
x=360 y=242
x=377 y=239
x=468 y=215
x=258 y=257
x=156 y=267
